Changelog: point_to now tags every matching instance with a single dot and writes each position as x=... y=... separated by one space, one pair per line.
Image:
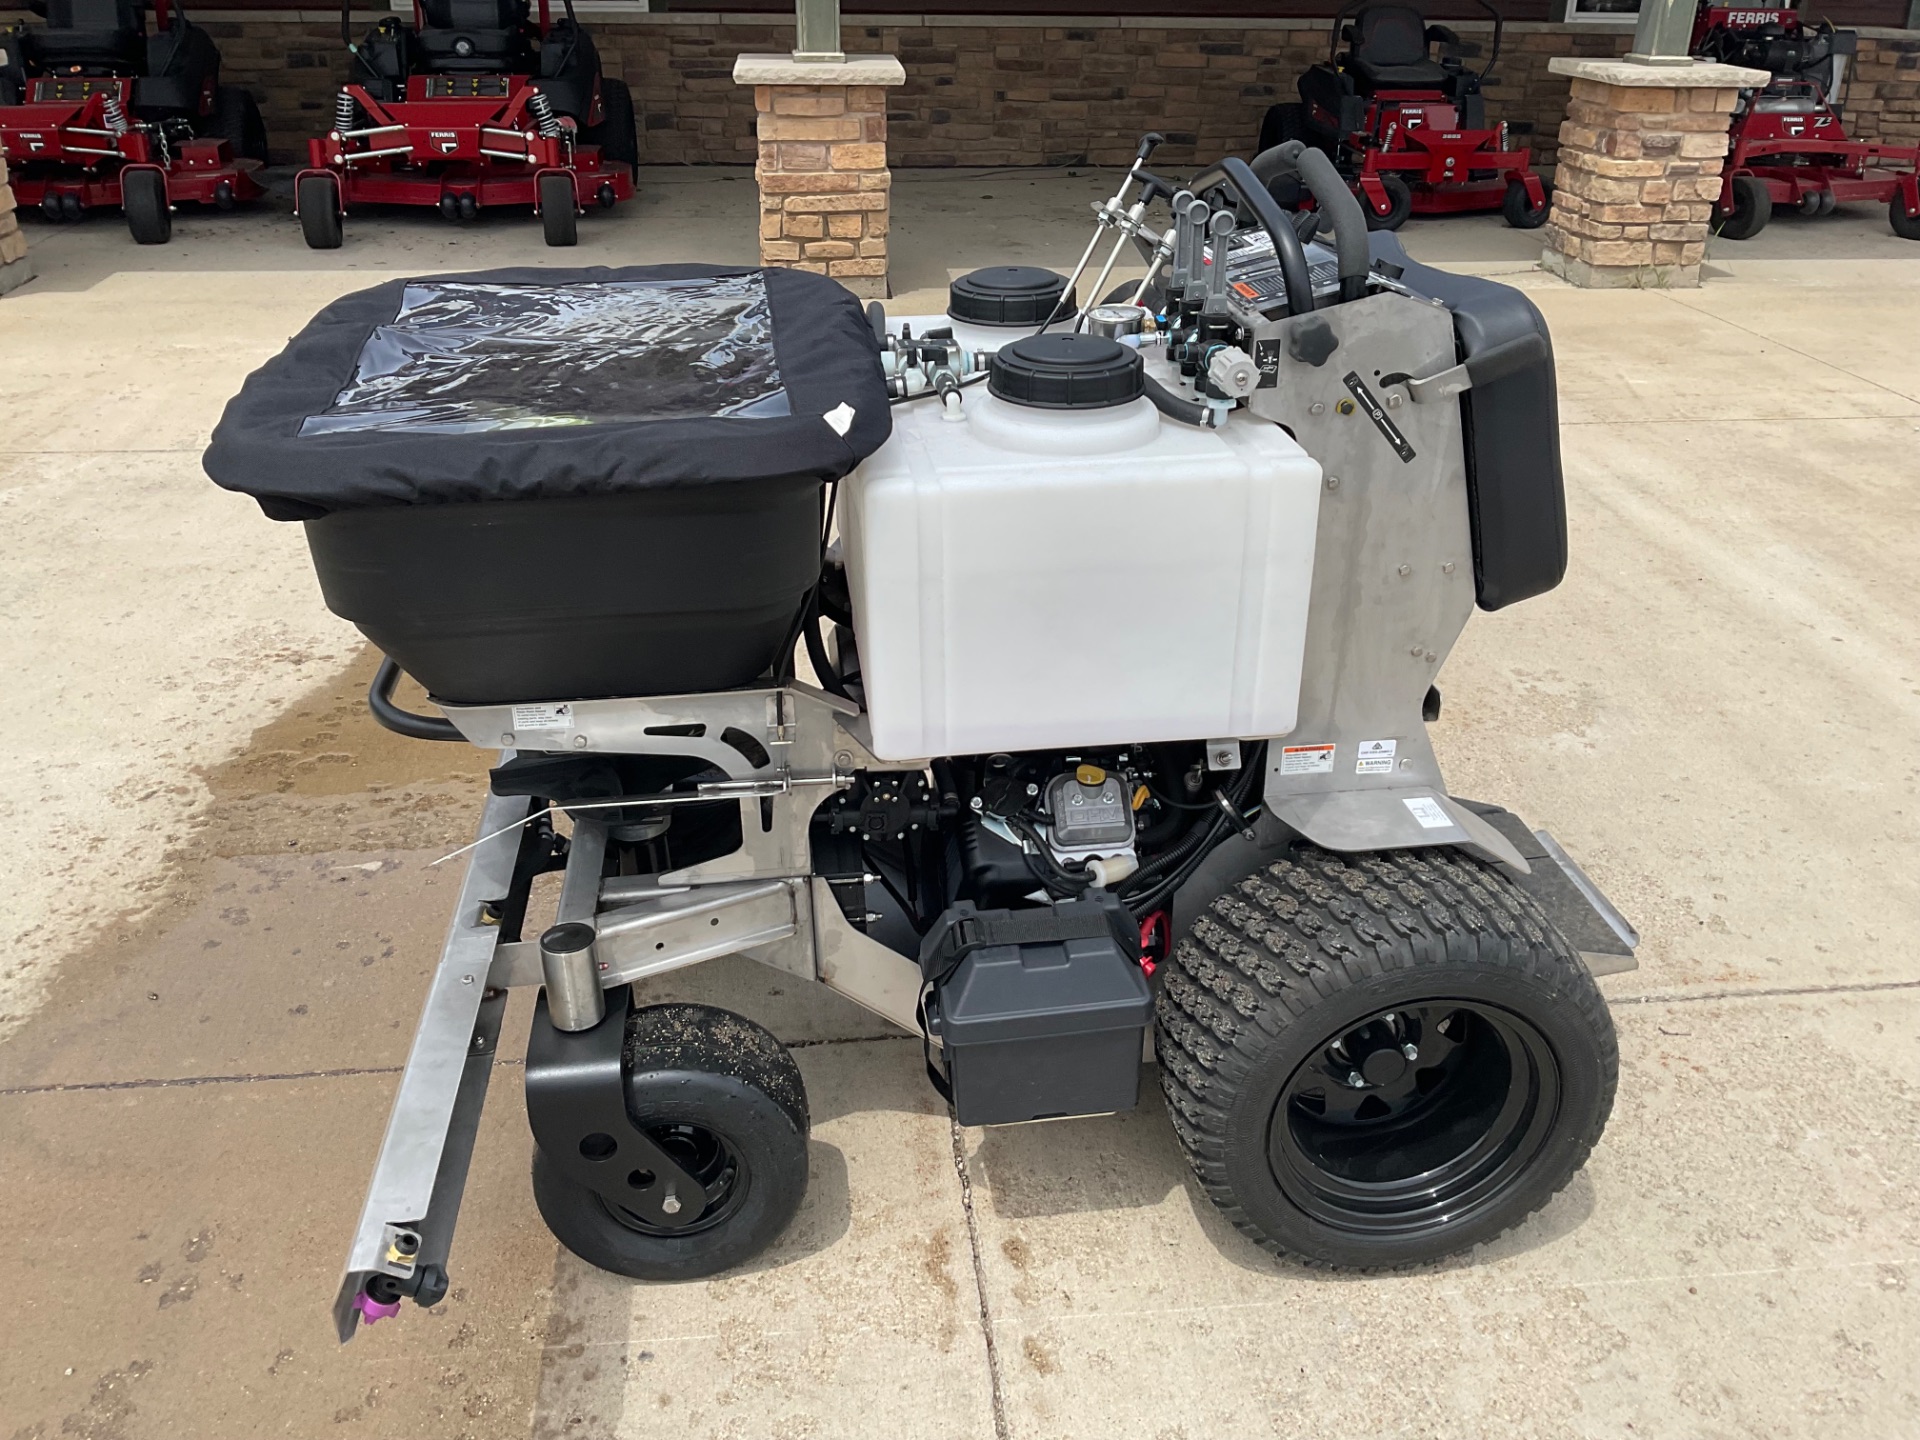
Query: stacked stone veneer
x=15 y=268
x=1000 y=90
x=821 y=164
x=1640 y=167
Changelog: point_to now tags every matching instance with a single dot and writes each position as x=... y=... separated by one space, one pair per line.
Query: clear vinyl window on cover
x=462 y=358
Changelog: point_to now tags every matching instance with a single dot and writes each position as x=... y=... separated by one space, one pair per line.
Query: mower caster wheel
x=1752 y=208
x=1811 y=202
x=223 y=196
x=1399 y=198
x=71 y=210
x=1379 y=1060
x=469 y=207
x=726 y=1101
x=606 y=196
x=143 y=196
x=559 y=214
x=1520 y=212
x=318 y=199
x=450 y=207
x=51 y=208
x=1906 y=226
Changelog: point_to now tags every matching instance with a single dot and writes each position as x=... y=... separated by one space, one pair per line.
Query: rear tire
x=236 y=120
x=617 y=134
x=1281 y=124
x=1906 y=226
x=710 y=1084
x=318 y=197
x=1752 y=209
x=1399 y=196
x=1483 y=1057
x=143 y=196
x=1520 y=212
x=558 y=212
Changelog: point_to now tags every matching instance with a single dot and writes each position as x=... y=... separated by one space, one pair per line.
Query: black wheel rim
x=711 y=1159
x=1417 y=1119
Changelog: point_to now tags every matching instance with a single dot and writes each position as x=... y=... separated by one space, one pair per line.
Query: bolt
x=672 y=1203
x=1032 y=789
x=1447 y=569
x=1430 y=657
x=1406 y=764
x=1356 y=1080
x=1333 y=482
x=579 y=742
x=1393 y=402
x=977 y=804
x=466 y=979
x=1405 y=570
x=843 y=759
x=507 y=739
x=1410 y=1050
x=1417 y=652
x=1318 y=407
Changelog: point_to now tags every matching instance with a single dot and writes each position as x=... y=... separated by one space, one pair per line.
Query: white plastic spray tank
x=1065 y=566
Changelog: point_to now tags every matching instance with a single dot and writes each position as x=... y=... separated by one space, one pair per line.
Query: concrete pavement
x=224 y=910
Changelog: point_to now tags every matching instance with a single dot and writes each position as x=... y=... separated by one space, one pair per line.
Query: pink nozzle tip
x=371 y=1309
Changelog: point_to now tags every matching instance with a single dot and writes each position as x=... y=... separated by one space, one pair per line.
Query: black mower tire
x=696 y=1070
x=143 y=197
x=559 y=214
x=1906 y=226
x=318 y=197
x=1399 y=196
x=618 y=133
x=236 y=120
x=1281 y=124
x=1752 y=209
x=1316 y=948
x=1519 y=211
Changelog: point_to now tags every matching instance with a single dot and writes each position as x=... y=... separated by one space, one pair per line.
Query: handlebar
x=403 y=722
x=1236 y=175
x=1337 y=203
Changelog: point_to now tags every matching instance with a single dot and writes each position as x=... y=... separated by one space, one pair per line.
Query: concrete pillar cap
x=785 y=70
x=1700 y=75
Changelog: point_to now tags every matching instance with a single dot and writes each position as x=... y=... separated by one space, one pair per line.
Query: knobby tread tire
x=1301 y=932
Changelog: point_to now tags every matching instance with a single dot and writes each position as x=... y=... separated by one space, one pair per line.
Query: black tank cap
x=1067 y=372
x=1008 y=295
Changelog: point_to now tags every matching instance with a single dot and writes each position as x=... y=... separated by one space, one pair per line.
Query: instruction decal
x=1266 y=359
x=1427 y=811
x=1375 y=757
x=528 y=718
x=1377 y=413
x=1306 y=760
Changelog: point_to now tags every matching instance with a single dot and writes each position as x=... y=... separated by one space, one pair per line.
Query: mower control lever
x=1495 y=363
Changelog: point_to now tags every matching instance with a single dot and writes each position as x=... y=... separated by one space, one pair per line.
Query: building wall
x=1005 y=91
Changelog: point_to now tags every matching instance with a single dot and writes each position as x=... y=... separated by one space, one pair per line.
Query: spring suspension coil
x=345 y=112
x=112 y=116
x=541 y=108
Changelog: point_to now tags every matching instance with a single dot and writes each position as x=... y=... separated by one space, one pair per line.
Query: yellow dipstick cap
x=1090 y=775
x=1140 y=797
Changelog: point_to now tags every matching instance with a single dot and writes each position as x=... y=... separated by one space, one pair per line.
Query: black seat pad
x=1390 y=50
x=109 y=35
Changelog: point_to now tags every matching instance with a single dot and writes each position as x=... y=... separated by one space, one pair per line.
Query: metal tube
x=1113 y=258
x=816 y=31
x=1663 y=32
x=574 y=997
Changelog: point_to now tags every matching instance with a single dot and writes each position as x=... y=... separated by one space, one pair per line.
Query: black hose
x=403 y=722
x=1336 y=201
x=829 y=677
x=1235 y=174
x=1188 y=412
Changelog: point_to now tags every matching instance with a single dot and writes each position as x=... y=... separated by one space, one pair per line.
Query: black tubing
x=1187 y=412
x=1237 y=176
x=1336 y=201
x=403 y=722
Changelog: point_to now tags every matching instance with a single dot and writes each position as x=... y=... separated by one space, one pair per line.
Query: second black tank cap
x=1008 y=295
x=1067 y=372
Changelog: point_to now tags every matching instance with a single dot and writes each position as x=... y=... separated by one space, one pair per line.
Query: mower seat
x=99 y=37
x=568 y=67
x=469 y=37
x=1389 y=51
x=182 y=62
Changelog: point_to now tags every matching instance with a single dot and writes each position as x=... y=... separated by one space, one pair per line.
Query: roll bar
x=1236 y=175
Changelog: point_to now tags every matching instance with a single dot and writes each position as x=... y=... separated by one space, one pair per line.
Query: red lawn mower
x=1788 y=144
x=1409 y=132
x=96 y=113
x=472 y=106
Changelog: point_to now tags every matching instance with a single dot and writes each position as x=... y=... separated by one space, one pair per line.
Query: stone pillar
x=1639 y=169
x=15 y=268
x=824 y=182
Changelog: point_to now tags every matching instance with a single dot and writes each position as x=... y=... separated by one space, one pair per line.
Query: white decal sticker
x=542 y=717
x=1306 y=760
x=839 y=419
x=1427 y=811
x=1375 y=757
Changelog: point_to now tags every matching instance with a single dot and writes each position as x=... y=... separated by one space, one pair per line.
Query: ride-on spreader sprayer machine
x=1407 y=130
x=473 y=106
x=97 y=113
x=1789 y=143
x=1124 y=621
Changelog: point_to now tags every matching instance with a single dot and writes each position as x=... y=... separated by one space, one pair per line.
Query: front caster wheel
x=143 y=196
x=1520 y=212
x=1399 y=204
x=1906 y=226
x=1378 y=1060
x=317 y=197
x=724 y=1099
x=559 y=215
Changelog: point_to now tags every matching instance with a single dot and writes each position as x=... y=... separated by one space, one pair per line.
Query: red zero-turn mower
x=1410 y=133
x=95 y=112
x=473 y=106
x=1788 y=145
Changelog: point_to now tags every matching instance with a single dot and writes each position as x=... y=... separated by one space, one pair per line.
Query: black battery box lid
x=1026 y=984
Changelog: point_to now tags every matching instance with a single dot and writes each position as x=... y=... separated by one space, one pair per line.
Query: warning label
x=1427 y=811
x=542 y=717
x=1375 y=757
x=1306 y=760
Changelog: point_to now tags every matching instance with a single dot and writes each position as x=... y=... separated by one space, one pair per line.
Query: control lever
x=1112 y=211
x=1220 y=228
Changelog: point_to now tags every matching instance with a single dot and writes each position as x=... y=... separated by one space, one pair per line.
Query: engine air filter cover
x=1067 y=372
x=1008 y=295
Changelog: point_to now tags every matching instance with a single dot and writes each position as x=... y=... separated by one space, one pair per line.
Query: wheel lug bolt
x=1356 y=1080
x=1410 y=1050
